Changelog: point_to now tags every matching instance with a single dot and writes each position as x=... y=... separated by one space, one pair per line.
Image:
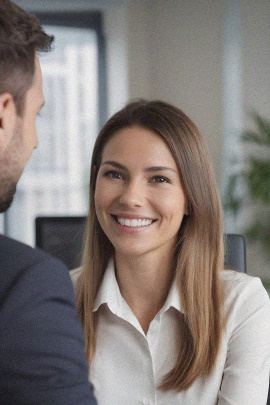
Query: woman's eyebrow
x=147 y=170
x=115 y=164
x=159 y=169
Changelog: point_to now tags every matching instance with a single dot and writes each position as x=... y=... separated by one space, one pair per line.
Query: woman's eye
x=113 y=175
x=160 y=179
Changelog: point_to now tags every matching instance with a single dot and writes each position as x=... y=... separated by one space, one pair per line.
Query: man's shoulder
x=17 y=259
x=41 y=329
x=14 y=251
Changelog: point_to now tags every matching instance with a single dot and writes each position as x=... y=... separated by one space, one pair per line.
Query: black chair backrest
x=235 y=252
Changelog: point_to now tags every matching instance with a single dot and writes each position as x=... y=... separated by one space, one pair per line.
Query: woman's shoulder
x=75 y=274
x=241 y=288
x=236 y=279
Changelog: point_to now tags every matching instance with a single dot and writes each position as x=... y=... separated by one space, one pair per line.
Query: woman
x=163 y=322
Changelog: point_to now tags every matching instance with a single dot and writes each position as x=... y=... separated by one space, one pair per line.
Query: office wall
x=175 y=54
x=256 y=55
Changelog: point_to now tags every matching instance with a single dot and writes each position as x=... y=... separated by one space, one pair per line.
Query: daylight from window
x=55 y=181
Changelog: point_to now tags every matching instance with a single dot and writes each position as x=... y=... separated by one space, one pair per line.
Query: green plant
x=249 y=186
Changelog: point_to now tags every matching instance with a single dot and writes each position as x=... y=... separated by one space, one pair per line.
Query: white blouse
x=129 y=365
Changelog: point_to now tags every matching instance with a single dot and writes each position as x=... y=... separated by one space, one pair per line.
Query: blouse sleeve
x=246 y=373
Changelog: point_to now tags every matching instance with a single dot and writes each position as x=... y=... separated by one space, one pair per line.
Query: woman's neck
x=144 y=283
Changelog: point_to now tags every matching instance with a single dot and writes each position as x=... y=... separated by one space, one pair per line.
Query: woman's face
x=139 y=198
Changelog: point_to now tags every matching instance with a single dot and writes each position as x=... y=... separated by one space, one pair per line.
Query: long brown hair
x=199 y=253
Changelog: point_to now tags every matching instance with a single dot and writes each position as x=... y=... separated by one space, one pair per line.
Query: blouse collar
x=109 y=293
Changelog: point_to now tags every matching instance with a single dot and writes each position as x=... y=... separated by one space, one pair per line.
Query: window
x=55 y=180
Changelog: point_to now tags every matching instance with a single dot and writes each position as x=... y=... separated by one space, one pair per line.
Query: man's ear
x=8 y=119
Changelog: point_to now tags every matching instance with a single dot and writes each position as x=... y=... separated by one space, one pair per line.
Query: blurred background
x=208 y=57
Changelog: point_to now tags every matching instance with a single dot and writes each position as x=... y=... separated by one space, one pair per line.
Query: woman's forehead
x=136 y=143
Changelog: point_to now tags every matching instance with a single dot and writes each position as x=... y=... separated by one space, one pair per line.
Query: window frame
x=85 y=19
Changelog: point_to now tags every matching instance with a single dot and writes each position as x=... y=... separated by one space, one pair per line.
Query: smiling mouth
x=134 y=223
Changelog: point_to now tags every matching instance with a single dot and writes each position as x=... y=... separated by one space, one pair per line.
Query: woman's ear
x=8 y=119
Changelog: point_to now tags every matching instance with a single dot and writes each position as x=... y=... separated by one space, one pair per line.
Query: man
x=42 y=357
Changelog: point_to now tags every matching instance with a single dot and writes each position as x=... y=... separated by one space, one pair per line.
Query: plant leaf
x=263 y=127
x=254 y=137
x=262 y=136
x=233 y=202
x=260 y=232
x=258 y=180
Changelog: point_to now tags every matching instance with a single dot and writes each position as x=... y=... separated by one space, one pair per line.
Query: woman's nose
x=132 y=194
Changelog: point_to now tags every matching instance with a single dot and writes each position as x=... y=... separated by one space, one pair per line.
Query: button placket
x=149 y=377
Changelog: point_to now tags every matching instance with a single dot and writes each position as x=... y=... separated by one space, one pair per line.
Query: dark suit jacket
x=41 y=344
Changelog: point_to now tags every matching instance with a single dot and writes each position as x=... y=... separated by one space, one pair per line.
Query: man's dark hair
x=21 y=36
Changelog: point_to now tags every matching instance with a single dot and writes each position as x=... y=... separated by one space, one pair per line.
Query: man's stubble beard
x=10 y=169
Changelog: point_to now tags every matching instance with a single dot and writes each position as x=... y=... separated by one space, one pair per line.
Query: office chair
x=235 y=252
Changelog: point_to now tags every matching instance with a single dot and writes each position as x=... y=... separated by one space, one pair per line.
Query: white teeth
x=134 y=222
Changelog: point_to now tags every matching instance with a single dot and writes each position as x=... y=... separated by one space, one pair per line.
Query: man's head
x=21 y=96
